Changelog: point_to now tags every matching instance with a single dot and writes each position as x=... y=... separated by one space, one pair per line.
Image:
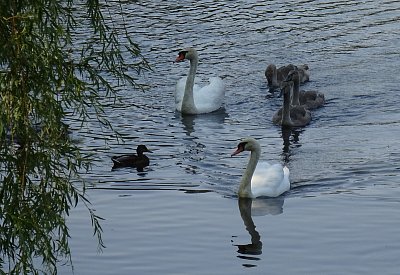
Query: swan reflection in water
x=255 y=207
x=290 y=136
x=189 y=121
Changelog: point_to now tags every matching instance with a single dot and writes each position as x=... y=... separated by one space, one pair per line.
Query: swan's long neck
x=296 y=93
x=286 y=120
x=245 y=184
x=188 y=105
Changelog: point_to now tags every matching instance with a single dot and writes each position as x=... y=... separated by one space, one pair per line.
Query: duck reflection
x=255 y=207
x=290 y=136
x=189 y=121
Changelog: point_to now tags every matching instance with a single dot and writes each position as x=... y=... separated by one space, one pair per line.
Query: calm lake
x=181 y=215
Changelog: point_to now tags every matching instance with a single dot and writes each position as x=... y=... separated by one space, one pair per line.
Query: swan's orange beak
x=238 y=151
x=180 y=57
x=240 y=148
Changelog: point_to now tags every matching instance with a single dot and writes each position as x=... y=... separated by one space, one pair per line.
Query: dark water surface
x=181 y=216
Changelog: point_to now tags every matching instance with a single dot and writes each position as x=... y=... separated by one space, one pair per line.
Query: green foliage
x=48 y=71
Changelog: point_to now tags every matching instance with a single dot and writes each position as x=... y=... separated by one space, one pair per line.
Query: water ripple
x=351 y=47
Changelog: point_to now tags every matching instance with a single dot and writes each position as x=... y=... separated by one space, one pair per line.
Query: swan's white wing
x=270 y=180
x=210 y=97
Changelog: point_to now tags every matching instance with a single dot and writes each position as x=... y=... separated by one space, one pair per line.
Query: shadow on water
x=255 y=207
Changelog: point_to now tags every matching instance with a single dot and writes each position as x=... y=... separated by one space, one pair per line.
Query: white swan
x=263 y=179
x=309 y=99
x=189 y=97
x=292 y=116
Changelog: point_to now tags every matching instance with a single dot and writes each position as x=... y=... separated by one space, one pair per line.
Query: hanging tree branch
x=49 y=71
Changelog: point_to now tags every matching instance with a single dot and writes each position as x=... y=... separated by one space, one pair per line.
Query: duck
x=261 y=178
x=191 y=99
x=275 y=76
x=291 y=116
x=138 y=161
x=309 y=99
